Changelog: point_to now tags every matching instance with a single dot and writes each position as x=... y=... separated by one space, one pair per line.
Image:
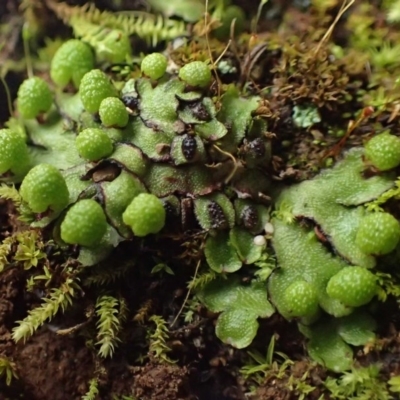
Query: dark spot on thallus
x=189 y=147
x=217 y=215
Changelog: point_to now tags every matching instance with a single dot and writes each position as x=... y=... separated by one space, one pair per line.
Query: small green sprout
x=8 y=370
x=30 y=249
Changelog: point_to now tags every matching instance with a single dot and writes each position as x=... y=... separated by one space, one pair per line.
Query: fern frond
x=149 y=27
x=108 y=310
x=105 y=274
x=60 y=298
x=93 y=390
x=158 y=340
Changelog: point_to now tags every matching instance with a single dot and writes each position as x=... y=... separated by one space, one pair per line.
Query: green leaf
x=331 y=198
x=131 y=158
x=152 y=143
x=243 y=242
x=237 y=327
x=221 y=256
x=357 y=328
x=332 y=201
x=329 y=339
x=158 y=105
x=212 y=130
x=163 y=180
x=220 y=294
x=240 y=304
x=302 y=257
x=52 y=143
x=328 y=349
x=91 y=256
x=237 y=111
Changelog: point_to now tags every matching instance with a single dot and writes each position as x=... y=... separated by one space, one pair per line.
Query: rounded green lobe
x=353 y=286
x=154 y=65
x=378 y=233
x=84 y=224
x=44 y=188
x=237 y=327
x=383 y=151
x=71 y=62
x=34 y=97
x=95 y=87
x=13 y=152
x=113 y=112
x=196 y=73
x=145 y=214
x=93 y=144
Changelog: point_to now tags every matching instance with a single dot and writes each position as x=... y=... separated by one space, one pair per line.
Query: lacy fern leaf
x=149 y=27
